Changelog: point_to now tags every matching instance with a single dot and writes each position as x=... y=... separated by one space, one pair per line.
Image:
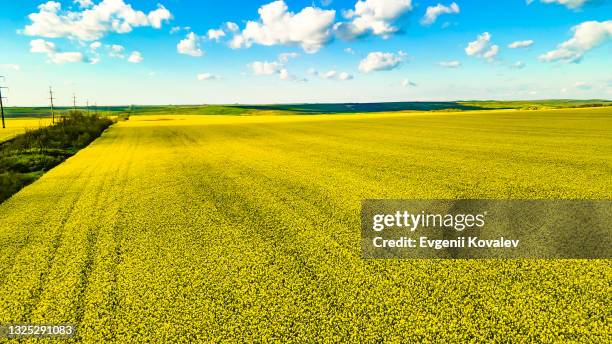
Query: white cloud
x=135 y=57
x=207 y=77
x=265 y=68
x=377 y=17
x=407 y=83
x=216 y=35
x=190 y=46
x=117 y=51
x=95 y=45
x=482 y=47
x=14 y=67
x=492 y=52
x=573 y=4
x=285 y=75
x=450 y=64
x=433 y=12
x=349 y=51
x=158 y=16
x=520 y=44
x=379 y=61
x=68 y=57
x=330 y=74
x=231 y=26
x=285 y=57
x=344 y=76
x=587 y=36
x=84 y=3
x=91 y=23
x=310 y=28
x=260 y=68
x=41 y=46
x=478 y=46
x=518 y=65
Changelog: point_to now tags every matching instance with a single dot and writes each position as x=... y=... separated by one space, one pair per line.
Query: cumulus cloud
x=482 y=47
x=95 y=45
x=207 y=77
x=450 y=64
x=344 y=76
x=135 y=57
x=491 y=53
x=84 y=3
x=67 y=57
x=285 y=75
x=573 y=4
x=407 y=83
x=265 y=67
x=520 y=44
x=93 y=23
x=285 y=57
x=330 y=74
x=587 y=36
x=190 y=46
x=215 y=35
x=349 y=51
x=377 y=17
x=518 y=65
x=310 y=28
x=116 y=50
x=158 y=16
x=433 y=12
x=478 y=46
x=231 y=26
x=40 y=46
x=379 y=61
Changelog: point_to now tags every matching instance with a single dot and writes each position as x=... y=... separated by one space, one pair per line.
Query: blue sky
x=236 y=51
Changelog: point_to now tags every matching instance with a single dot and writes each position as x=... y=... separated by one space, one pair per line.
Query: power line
x=2 y=104
x=52 y=107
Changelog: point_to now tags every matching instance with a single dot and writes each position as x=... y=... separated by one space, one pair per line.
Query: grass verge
x=28 y=156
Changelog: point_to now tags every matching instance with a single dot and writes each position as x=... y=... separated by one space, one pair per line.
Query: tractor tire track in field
x=70 y=229
x=59 y=231
x=104 y=201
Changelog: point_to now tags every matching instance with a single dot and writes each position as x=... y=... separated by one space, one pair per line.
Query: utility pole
x=87 y=106
x=74 y=102
x=2 y=104
x=52 y=107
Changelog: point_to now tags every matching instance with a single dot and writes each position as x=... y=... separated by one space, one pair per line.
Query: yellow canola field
x=17 y=126
x=215 y=228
